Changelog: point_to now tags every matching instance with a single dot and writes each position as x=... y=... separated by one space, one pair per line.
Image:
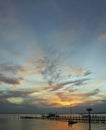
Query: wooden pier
x=94 y=118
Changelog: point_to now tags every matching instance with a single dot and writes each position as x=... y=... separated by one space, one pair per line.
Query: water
x=10 y=122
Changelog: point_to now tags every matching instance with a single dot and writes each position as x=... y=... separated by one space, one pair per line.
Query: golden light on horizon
x=72 y=103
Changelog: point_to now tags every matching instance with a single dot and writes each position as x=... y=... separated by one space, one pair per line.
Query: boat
x=71 y=122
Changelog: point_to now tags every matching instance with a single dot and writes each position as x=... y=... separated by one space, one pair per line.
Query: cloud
x=29 y=97
x=14 y=93
x=52 y=71
x=56 y=87
x=79 y=72
x=8 y=80
x=10 y=68
x=24 y=97
x=16 y=97
x=67 y=99
x=77 y=82
x=58 y=78
x=48 y=68
x=86 y=95
x=33 y=67
x=71 y=84
x=8 y=97
x=9 y=74
x=15 y=100
x=88 y=72
x=34 y=98
x=93 y=93
x=76 y=98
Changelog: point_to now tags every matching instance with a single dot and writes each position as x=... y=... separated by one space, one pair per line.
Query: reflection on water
x=11 y=123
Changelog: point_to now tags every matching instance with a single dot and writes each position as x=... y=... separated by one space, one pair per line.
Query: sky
x=52 y=55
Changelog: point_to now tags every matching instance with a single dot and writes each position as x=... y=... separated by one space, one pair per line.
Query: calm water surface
x=34 y=124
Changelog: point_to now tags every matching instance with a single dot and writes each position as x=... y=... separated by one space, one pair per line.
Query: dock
x=94 y=118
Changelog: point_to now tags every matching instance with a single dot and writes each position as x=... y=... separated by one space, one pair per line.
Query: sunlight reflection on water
x=31 y=124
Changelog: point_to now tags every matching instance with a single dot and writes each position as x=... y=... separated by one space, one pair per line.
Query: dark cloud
x=25 y=94
x=8 y=94
x=88 y=72
x=8 y=80
x=9 y=74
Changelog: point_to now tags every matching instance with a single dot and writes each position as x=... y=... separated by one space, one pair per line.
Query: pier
x=80 y=118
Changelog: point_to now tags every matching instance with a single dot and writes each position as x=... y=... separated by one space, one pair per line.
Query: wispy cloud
x=55 y=76
x=53 y=71
x=79 y=72
x=72 y=83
